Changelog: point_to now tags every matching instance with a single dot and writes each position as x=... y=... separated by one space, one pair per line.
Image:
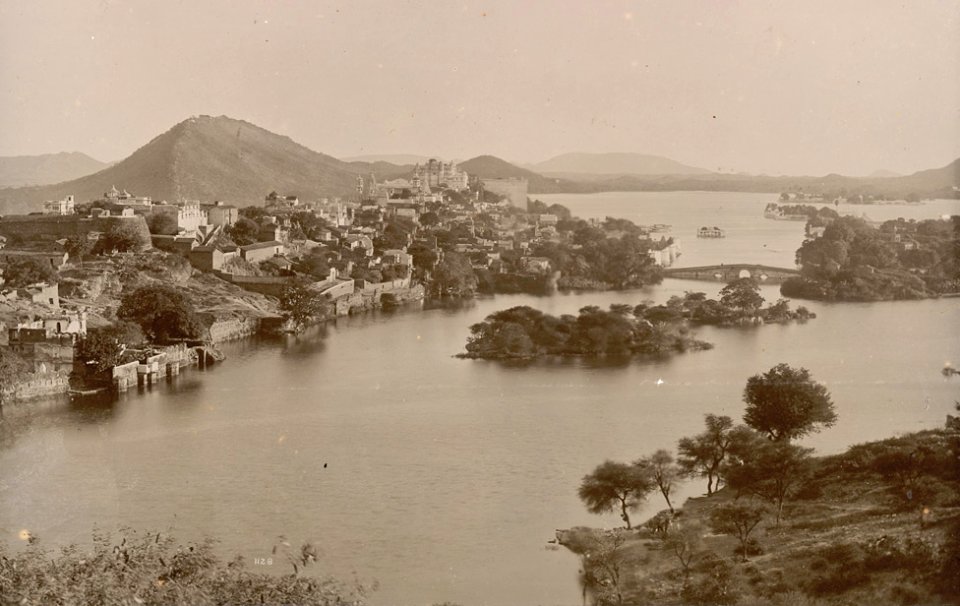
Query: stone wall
x=228 y=329
x=36 y=386
x=55 y=227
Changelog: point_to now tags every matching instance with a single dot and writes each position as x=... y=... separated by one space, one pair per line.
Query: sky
x=785 y=87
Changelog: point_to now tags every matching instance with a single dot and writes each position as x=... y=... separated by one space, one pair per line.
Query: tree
x=102 y=348
x=684 y=543
x=429 y=219
x=78 y=247
x=613 y=485
x=738 y=518
x=664 y=472
x=163 y=224
x=24 y=272
x=454 y=276
x=785 y=403
x=300 y=303
x=124 y=235
x=245 y=231
x=742 y=294
x=604 y=565
x=703 y=454
x=771 y=470
x=163 y=313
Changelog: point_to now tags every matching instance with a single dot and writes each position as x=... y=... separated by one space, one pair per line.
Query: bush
x=157 y=571
x=712 y=583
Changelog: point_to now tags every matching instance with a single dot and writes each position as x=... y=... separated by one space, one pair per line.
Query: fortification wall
x=55 y=227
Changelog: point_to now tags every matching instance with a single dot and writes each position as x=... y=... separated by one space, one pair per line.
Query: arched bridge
x=727 y=273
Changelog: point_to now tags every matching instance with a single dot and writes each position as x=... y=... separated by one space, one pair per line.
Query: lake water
x=445 y=478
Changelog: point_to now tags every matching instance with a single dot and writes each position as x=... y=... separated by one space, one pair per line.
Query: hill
x=396 y=159
x=883 y=173
x=19 y=171
x=614 y=164
x=491 y=167
x=208 y=158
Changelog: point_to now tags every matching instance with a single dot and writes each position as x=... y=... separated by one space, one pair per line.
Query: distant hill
x=491 y=167
x=396 y=159
x=19 y=171
x=614 y=164
x=209 y=158
x=933 y=183
x=883 y=173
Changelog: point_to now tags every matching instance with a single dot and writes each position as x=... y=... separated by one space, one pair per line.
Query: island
x=624 y=330
x=850 y=259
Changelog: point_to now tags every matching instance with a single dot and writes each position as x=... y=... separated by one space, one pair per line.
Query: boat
x=711 y=232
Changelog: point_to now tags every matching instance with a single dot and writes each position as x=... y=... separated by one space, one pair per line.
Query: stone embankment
x=34 y=386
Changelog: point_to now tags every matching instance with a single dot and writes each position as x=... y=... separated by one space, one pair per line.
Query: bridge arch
x=744 y=273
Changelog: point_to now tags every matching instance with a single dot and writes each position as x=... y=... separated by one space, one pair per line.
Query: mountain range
x=574 y=164
x=19 y=171
x=221 y=158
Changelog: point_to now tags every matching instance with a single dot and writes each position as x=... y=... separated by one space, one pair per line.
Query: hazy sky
x=777 y=87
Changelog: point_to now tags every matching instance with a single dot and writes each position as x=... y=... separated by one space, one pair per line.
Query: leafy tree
x=454 y=276
x=738 y=518
x=24 y=272
x=245 y=231
x=163 y=313
x=771 y=470
x=314 y=265
x=300 y=303
x=102 y=348
x=785 y=403
x=664 y=471
x=429 y=219
x=164 y=224
x=123 y=236
x=613 y=485
x=424 y=257
x=742 y=294
x=703 y=454
x=78 y=247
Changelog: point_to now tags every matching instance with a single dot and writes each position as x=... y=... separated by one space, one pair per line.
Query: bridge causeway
x=765 y=274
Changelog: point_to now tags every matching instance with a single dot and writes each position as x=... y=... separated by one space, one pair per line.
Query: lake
x=440 y=478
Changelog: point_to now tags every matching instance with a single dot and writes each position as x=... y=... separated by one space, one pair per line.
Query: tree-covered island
x=645 y=329
x=848 y=259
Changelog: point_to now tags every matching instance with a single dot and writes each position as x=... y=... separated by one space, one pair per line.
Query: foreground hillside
x=879 y=524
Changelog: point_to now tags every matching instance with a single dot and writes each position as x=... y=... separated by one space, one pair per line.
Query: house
x=211 y=258
x=261 y=251
x=221 y=214
x=358 y=242
x=43 y=293
x=59 y=207
x=397 y=257
x=537 y=265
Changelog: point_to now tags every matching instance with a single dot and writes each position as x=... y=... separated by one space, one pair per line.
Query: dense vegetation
x=524 y=332
x=155 y=570
x=878 y=524
x=853 y=261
